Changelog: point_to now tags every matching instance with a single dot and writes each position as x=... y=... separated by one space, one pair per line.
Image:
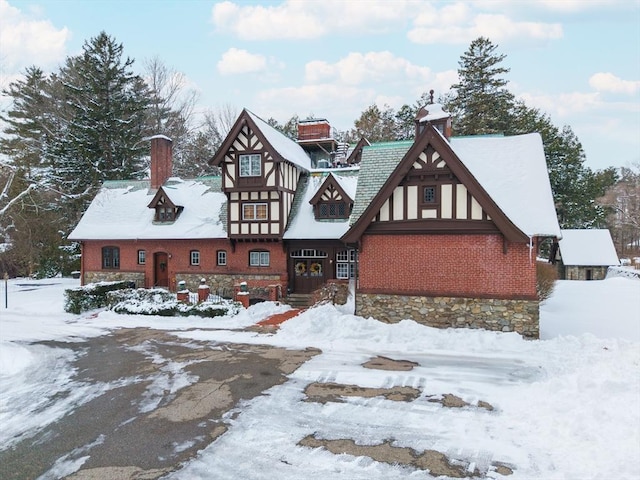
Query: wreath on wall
x=316 y=268
x=301 y=268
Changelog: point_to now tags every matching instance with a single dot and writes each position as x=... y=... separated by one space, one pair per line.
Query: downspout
x=82 y=263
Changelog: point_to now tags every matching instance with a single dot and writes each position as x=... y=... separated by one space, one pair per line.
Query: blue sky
x=576 y=60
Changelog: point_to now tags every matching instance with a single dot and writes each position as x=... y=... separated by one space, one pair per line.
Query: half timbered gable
x=428 y=190
x=431 y=192
x=261 y=169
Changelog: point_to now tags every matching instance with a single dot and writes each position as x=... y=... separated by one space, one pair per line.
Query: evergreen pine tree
x=26 y=132
x=480 y=103
x=105 y=122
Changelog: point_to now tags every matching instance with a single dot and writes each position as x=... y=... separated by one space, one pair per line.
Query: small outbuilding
x=585 y=254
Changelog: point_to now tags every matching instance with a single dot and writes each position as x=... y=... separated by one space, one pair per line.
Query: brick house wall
x=446 y=265
x=448 y=281
x=179 y=266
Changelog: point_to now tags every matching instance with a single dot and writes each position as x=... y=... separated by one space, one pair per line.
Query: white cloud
x=574 y=6
x=236 y=61
x=287 y=20
x=26 y=41
x=608 y=82
x=456 y=24
x=303 y=19
x=358 y=68
x=433 y=22
x=563 y=105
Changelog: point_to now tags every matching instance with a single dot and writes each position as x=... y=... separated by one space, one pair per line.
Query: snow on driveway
x=565 y=407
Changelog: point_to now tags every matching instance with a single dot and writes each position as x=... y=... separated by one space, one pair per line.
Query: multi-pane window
x=194 y=257
x=221 y=257
x=259 y=258
x=332 y=210
x=254 y=211
x=111 y=257
x=165 y=214
x=346 y=264
x=429 y=194
x=142 y=257
x=250 y=165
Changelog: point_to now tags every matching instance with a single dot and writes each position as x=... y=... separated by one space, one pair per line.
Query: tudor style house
x=441 y=230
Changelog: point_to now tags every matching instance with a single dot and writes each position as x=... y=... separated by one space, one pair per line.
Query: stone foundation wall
x=580 y=273
x=112 y=276
x=521 y=316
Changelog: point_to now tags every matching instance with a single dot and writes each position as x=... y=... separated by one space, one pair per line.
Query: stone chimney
x=161 y=160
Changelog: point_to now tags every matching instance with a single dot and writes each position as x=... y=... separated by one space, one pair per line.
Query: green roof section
x=378 y=162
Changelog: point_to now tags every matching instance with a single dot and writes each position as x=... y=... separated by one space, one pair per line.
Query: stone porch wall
x=521 y=316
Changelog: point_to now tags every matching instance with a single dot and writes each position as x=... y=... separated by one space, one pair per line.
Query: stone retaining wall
x=521 y=316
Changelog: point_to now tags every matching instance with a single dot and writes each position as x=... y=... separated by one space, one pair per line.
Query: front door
x=161 y=270
x=309 y=270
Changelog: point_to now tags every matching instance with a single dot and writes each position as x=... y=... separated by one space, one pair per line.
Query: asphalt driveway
x=162 y=400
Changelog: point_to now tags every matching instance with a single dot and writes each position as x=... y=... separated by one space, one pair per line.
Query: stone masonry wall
x=112 y=276
x=580 y=273
x=224 y=284
x=521 y=316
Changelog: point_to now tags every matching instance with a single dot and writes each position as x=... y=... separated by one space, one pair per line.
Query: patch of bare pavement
x=163 y=399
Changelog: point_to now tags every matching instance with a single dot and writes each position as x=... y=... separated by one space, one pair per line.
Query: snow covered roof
x=286 y=147
x=120 y=211
x=588 y=248
x=303 y=224
x=513 y=171
x=434 y=112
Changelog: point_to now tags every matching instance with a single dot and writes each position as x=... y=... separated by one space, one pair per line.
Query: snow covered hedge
x=161 y=302
x=91 y=296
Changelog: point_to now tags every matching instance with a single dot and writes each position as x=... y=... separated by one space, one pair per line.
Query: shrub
x=163 y=303
x=546 y=276
x=91 y=296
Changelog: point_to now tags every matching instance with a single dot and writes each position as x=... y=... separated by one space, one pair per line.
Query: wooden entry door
x=161 y=270
x=309 y=274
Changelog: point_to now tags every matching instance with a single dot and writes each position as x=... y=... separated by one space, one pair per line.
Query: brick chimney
x=313 y=129
x=161 y=160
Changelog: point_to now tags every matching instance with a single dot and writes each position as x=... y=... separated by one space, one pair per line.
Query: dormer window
x=165 y=214
x=166 y=210
x=331 y=202
x=250 y=165
x=332 y=210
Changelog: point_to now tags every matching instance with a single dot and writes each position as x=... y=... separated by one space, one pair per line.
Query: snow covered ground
x=564 y=407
